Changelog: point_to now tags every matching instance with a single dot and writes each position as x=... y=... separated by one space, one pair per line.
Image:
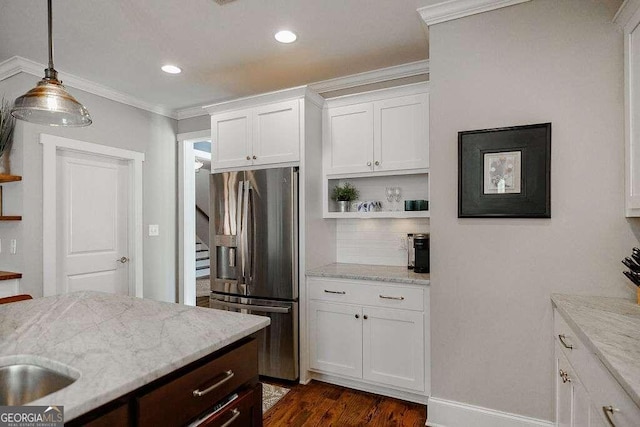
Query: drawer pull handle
x=608 y=412
x=386 y=297
x=562 y=337
x=236 y=414
x=227 y=376
x=335 y=292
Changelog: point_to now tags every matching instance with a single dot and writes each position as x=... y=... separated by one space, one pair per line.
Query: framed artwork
x=505 y=172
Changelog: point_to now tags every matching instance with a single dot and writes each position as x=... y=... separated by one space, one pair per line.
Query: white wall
x=541 y=61
x=116 y=125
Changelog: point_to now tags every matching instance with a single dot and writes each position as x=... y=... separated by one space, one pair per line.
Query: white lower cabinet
x=587 y=395
x=393 y=347
x=336 y=338
x=370 y=332
x=573 y=407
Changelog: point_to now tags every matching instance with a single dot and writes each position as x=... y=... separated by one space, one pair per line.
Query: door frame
x=187 y=214
x=50 y=146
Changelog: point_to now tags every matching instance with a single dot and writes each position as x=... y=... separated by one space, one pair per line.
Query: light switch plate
x=154 y=230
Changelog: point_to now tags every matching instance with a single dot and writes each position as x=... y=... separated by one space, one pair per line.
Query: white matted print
x=502 y=172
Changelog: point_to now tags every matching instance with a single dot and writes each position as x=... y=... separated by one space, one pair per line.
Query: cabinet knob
x=248 y=157
x=254 y=157
x=365 y=317
x=357 y=316
x=377 y=163
x=368 y=163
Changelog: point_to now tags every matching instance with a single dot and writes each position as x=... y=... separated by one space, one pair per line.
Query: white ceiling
x=225 y=51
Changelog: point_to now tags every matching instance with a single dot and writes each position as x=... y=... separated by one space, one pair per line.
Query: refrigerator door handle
x=245 y=249
x=262 y=308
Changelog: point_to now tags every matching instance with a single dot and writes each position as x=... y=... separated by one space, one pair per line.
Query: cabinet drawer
x=366 y=293
x=245 y=411
x=175 y=403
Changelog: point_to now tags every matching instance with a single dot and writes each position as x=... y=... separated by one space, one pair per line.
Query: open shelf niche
x=4 y=178
x=372 y=188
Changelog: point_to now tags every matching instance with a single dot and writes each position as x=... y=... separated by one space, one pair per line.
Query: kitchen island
x=126 y=352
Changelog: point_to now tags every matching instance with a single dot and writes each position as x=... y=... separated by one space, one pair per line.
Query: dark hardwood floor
x=320 y=404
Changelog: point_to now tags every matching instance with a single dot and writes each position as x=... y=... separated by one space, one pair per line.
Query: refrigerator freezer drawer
x=277 y=343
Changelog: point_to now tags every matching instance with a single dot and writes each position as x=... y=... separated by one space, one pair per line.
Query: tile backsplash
x=376 y=241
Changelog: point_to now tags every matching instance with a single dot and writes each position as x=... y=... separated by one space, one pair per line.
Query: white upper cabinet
x=261 y=130
x=232 y=135
x=629 y=18
x=276 y=133
x=350 y=132
x=401 y=133
x=380 y=131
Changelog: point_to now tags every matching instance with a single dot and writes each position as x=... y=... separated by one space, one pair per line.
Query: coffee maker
x=421 y=248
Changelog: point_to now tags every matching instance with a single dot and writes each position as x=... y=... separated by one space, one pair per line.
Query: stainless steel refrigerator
x=254 y=258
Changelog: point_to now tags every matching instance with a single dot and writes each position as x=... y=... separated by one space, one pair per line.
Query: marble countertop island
x=112 y=344
x=384 y=273
x=611 y=327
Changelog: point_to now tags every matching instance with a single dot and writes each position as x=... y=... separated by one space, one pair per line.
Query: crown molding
x=456 y=9
x=347 y=82
x=627 y=13
x=18 y=64
x=370 y=77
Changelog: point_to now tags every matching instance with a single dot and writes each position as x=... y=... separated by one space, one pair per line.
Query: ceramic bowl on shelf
x=369 y=206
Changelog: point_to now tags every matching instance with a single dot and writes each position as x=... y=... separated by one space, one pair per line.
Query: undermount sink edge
x=27 y=378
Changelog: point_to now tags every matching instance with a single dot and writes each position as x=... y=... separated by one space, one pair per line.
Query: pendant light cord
x=50 y=73
x=50 y=15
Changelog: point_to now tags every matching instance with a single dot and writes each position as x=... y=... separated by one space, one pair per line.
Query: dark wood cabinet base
x=192 y=393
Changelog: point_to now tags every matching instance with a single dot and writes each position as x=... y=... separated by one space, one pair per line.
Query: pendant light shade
x=49 y=103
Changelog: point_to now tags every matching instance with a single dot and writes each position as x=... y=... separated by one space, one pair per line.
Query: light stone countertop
x=114 y=344
x=611 y=327
x=384 y=273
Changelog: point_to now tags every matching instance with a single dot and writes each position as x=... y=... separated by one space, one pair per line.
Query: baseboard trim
x=370 y=388
x=447 y=413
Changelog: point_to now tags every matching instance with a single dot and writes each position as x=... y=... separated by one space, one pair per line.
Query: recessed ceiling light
x=171 y=69
x=286 y=36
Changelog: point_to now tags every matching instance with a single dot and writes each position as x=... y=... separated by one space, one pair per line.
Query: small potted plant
x=343 y=195
x=7 y=124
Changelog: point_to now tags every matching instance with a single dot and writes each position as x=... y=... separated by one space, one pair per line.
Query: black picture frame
x=481 y=190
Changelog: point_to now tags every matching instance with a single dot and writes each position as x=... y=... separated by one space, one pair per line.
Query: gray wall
x=194 y=124
x=116 y=125
x=541 y=61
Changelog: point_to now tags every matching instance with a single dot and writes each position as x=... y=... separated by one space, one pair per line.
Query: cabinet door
x=393 y=347
x=335 y=336
x=581 y=404
x=564 y=391
x=401 y=133
x=276 y=133
x=349 y=144
x=231 y=139
x=632 y=107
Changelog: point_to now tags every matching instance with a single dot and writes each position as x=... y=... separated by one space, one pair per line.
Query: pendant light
x=49 y=103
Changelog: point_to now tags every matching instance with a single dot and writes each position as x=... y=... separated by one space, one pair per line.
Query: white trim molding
x=50 y=145
x=456 y=9
x=447 y=413
x=18 y=64
x=187 y=215
x=370 y=77
x=347 y=82
x=626 y=13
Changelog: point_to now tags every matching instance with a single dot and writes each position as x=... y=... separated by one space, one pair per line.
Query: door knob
x=368 y=163
x=248 y=157
x=377 y=163
x=254 y=157
x=123 y=260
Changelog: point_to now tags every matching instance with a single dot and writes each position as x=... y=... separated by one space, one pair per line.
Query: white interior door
x=92 y=204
